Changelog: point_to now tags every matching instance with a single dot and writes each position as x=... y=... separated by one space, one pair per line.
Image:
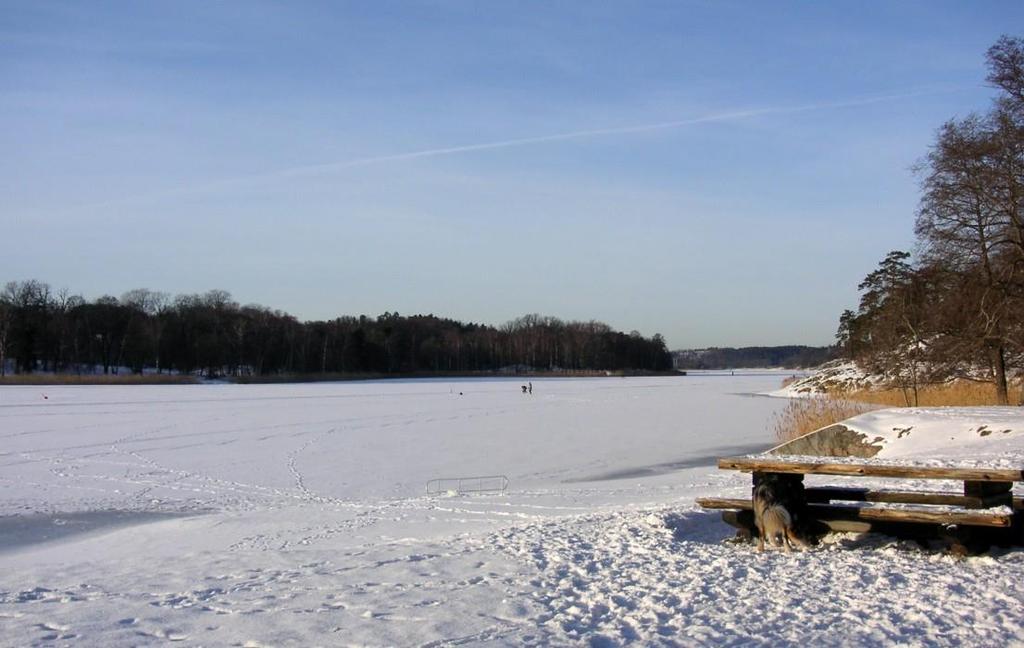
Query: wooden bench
x=971 y=518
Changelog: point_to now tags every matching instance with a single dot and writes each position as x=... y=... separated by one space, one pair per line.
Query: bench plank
x=916 y=515
x=825 y=494
x=749 y=464
x=725 y=503
x=824 y=513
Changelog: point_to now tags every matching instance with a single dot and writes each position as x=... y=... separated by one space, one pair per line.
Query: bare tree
x=962 y=229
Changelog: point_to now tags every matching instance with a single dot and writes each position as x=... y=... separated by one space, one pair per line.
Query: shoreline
x=31 y=380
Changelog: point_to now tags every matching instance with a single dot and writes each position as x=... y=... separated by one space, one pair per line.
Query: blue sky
x=722 y=173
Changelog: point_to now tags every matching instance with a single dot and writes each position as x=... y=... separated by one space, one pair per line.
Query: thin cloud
x=333 y=167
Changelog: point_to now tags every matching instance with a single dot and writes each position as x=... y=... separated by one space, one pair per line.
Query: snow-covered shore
x=295 y=515
x=836 y=375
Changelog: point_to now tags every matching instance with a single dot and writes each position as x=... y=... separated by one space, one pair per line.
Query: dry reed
x=959 y=393
x=803 y=415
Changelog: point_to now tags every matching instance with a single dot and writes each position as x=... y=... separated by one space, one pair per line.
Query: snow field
x=295 y=515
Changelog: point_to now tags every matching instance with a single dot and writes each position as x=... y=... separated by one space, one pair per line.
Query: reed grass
x=803 y=415
x=959 y=393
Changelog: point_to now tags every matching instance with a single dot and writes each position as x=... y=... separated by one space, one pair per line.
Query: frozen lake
x=296 y=515
x=229 y=447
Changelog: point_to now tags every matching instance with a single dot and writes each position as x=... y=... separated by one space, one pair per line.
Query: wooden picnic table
x=899 y=512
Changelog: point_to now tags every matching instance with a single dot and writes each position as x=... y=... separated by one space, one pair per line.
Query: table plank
x=821 y=466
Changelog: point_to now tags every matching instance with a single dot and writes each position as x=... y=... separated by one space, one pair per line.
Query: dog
x=772 y=518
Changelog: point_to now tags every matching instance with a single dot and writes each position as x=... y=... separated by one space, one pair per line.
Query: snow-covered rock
x=833 y=376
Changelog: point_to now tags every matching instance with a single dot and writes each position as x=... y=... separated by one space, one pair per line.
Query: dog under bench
x=985 y=512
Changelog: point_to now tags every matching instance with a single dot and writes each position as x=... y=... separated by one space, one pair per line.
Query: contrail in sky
x=599 y=132
x=317 y=169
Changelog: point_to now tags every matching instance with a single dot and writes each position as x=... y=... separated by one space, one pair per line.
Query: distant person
x=524 y=389
x=531 y=387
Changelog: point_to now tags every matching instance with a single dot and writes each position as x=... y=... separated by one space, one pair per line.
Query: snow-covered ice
x=296 y=515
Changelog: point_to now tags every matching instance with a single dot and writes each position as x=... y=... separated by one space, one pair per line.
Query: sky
x=723 y=173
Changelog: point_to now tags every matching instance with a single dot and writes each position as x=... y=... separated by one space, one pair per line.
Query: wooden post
x=986 y=488
x=743 y=521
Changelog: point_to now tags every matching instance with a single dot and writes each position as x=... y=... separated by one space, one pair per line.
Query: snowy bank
x=935 y=436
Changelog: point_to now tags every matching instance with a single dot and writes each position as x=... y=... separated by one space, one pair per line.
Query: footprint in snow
x=335 y=605
x=168 y=634
x=55 y=631
x=35 y=594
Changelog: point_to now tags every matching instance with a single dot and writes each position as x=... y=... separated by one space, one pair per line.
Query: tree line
x=212 y=335
x=789 y=357
x=955 y=308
